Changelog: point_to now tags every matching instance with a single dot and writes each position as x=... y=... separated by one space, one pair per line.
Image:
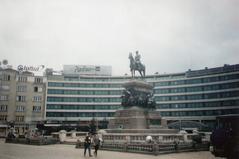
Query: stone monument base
x=131 y=118
x=136 y=118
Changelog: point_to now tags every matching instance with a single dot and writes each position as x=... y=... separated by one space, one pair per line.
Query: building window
x=166 y=98
x=194 y=97
x=70 y=85
x=163 y=106
x=194 y=81
x=3 y=108
x=114 y=100
x=101 y=85
x=161 y=91
x=213 y=95
x=101 y=99
x=3 y=118
x=99 y=92
x=20 y=108
x=38 y=80
x=115 y=85
x=3 y=98
x=21 y=88
x=114 y=92
x=70 y=92
x=36 y=108
x=177 y=90
x=22 y=79
x=81 y=114
x=54 y=84
x=178 y=98
x=162 y=84
x=37 y=98
x=194 y=89
x=21 y=98
x=37 y=89
x=4 y=87
x=19 y=118
x=178 y=82
x=6 y=77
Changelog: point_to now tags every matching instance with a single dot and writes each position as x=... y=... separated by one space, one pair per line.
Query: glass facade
x=84 y=92
x=199 y=98
x=83 y=98
x=194 y=95
x=82 y=107
x=79 y=114
x=82 y=85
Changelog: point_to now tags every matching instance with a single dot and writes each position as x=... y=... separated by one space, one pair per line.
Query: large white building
x=199 y=95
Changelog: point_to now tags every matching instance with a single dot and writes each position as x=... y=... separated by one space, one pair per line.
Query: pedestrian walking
x=87 y=145
x=96 y=141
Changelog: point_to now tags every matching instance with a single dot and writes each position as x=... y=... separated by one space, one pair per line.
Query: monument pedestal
x=139 y=108
x=136 y=118
x=131 y=118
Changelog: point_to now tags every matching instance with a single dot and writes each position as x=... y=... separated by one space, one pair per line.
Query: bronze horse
x=133 y=66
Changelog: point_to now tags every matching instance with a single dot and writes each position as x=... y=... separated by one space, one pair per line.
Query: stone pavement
x=19 y=151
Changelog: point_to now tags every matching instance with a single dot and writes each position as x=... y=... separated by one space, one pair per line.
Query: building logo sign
x=22 y=68
x=87 y=70
x=84 y=69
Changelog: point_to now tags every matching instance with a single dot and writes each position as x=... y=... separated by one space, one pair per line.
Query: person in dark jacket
x=87 y=145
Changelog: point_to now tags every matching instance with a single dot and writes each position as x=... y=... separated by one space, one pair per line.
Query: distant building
x=199 y=95
x=74 y=98
x=82 y=93
x=22 y=97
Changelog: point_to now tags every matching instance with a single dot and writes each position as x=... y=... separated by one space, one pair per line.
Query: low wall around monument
x=161 y=141
x=160 y=144
x=141 y=138
x=156 y=148
x=145 y=131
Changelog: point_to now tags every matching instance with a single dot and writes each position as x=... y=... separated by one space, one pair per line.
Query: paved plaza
x=19 y=151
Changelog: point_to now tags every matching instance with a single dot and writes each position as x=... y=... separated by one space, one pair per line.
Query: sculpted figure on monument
x=131 y=97
x=135 y=64
x=137 y=59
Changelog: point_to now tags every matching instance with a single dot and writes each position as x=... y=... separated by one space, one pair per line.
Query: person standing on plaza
x=96 y=141
x=87 y=145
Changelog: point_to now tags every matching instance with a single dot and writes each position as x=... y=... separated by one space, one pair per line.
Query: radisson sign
x=87 y=70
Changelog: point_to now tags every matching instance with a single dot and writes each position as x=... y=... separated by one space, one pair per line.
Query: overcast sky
x=171 y=35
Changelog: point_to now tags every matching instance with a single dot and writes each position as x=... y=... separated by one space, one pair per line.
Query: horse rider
x=137 y=59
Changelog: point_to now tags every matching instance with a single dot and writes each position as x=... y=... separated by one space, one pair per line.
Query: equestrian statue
x=135 y=64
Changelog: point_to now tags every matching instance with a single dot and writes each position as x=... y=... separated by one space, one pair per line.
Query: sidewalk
x=19 y=151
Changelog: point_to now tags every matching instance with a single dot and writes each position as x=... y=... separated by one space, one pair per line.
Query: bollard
x=155 y=149
x=126 y=147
